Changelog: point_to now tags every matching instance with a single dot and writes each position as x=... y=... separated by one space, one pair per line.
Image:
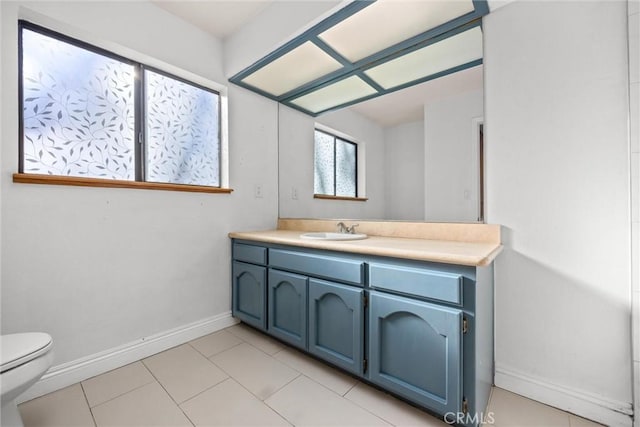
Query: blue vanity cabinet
x=336 y=324
x=249 y=302
x=249 y=284
x=421 y=330
x=287 y=307
x=415 y=350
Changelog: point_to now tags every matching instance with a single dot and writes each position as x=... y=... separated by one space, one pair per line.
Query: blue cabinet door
x=415 y=350
x=287 y=307
x=336 y=324
x=249 y=294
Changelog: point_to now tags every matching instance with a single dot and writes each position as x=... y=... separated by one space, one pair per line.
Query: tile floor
x=239 y=377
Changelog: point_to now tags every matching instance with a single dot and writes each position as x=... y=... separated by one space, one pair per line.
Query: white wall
x=633 y=10
x=97 y=267
x=404 y=171
x=556 y=110
x=296 y=165
x=2 y=178
x=451 y=183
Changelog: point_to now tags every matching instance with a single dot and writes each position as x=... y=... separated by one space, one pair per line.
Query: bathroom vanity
x=413 y=316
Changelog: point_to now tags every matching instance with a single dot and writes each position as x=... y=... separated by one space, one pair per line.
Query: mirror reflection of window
x=335 y=166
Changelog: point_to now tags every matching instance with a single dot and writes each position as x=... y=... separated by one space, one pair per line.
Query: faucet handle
x=352 y=229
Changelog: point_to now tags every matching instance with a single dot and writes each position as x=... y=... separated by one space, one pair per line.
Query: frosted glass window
x=77 y=111
x=324 y=170
x=335 y=166
x=183 y=139
x=87 y=112
x=345 y=168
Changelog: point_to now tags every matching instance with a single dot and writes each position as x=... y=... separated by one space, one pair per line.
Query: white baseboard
x=586 y=405
x=69 y=373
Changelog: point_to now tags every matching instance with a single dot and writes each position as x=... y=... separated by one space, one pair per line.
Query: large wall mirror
x=389 y=94
x=420 y=154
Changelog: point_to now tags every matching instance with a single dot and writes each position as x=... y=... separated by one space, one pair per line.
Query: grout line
x=123 y=393
x=333 y=369
x=348 y=401
x=168 y=394
x=197 y=394
x=161 y=385
x=207 y=389
x=300 y=374
x=262 y=401
x=259 y=335
x=214 y=354
x=84 y=393
x=252 y=393
x=248 y=391
x=351 y=388
x=278 y=413
x=366 y=409
x=488 y=408
x=264 y=351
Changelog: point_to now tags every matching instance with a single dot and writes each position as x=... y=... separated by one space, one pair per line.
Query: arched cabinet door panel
x=415 y=350
x=287 y=307
x=249 y=294
x=336 y=324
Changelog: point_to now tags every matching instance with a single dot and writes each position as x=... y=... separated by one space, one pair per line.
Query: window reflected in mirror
x=335 y=166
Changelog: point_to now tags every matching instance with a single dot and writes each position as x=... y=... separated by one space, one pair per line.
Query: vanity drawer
x=249 y=253
x=420 y=282
x=321 y=266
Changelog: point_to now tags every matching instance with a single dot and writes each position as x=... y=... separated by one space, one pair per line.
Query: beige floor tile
x=229 y=404
x=575 y=421
x=258 y=372
x=327 y=376
x=114 y=383
x=148 y=405
x=303 y=402
x=510 y=409
x=255 y=338
x=390 y=409
x=184 y=372
x=215 y=343
x=65 y=407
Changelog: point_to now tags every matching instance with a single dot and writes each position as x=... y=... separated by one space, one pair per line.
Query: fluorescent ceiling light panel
x=335 y=94
x=303 y=64
x=457 y=50
x=388 y=22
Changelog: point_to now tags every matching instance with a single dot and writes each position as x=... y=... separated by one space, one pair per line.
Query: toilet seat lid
x=18 y=349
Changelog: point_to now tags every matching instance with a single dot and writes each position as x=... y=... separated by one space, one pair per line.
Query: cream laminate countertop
x=445 y=251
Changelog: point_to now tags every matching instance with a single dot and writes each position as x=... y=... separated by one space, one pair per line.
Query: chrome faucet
x=342 y=228
x=352 y=229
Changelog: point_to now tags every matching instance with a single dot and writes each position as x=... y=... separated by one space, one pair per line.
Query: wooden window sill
x=327 y=197
x=28 y=178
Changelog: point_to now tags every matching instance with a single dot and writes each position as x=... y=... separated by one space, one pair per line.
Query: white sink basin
x=332 y=236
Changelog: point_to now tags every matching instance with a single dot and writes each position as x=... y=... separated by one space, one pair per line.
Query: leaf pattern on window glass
x=183 y=138
x=345 y=168
x=78 y=111
x=324 y=164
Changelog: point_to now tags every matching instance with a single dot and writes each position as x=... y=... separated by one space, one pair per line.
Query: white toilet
x=25 y=358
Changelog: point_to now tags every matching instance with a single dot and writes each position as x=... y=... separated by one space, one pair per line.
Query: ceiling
x=221 y=18
x=407 y=105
